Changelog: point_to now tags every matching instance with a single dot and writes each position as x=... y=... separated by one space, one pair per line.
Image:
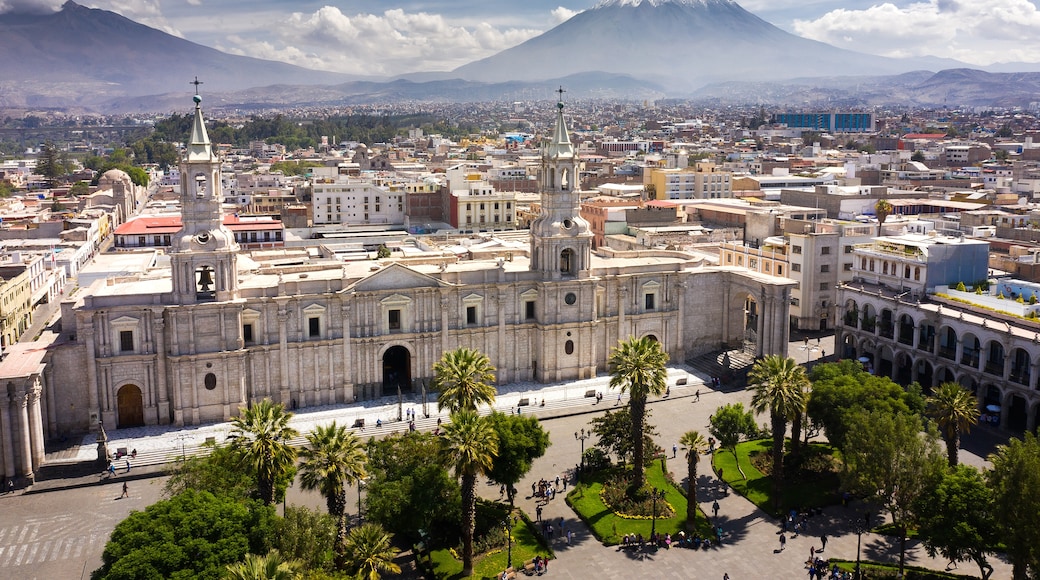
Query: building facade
x=214 y=333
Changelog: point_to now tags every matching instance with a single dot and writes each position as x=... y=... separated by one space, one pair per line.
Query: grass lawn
x=488 y=566
x=609 y=527
x=876 y=571
x=758 y=487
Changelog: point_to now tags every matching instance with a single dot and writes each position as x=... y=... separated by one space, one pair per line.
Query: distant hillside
x=84 y=54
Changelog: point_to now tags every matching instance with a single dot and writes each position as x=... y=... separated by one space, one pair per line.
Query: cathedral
x=216 y=331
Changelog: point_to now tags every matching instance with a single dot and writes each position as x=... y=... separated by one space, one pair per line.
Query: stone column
x=283 y=355
x=7 y=434
x=622 y=329
x=760 y=326
x=36 y=425
x=347 y=395
x=444 y=320
x=680 y=337
x=503 y=370
x=93 y=399
x=162 y=385
x=25 y=465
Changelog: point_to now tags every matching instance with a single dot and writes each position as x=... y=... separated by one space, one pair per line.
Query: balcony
x=994 y=368
x=970 y=358
x=948 y=352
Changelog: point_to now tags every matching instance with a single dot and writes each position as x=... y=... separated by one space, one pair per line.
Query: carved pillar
x=444 y=320
x=680 y=336
x=93 y=396
x=35 y=425
x=347 y=395
x=162 y=385
x=25 y=448
x=622 y=329
x=7 y=434
x=503 y=370
x=283 y=355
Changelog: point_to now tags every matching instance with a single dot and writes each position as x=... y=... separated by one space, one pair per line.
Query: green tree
x=410 y=488
x=955 y=518
x=193 y=535
x=695 y=445
x=1015 y=479
x=218 y=472
x=840 y=390
x=464 y=379
x=955 y=411
x=383 y=252
x=637 y=365
x=79 y=188
x=882 y=209
x=306 y=535
x=48 y=163
x=731 y=423
x=613 y=432
x=262 y=433
x=778 y=386
x=332 y=460
x=270 y=566
x=470 y=445
x=890 y=459
x=918 y=156
x=370 y=552
x=521 y=440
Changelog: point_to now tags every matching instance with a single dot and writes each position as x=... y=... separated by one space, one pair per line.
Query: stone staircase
x=731 y=366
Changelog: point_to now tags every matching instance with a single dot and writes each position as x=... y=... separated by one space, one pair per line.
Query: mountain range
x=643 y=49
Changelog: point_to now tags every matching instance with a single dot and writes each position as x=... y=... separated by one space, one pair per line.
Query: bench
x=680 y=382
x=359 y=423
x=523 y=402
x=590 y=393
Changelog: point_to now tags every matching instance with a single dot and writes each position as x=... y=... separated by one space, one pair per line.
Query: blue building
x=830 y=122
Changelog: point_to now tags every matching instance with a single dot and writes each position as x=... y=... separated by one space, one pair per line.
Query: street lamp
x=655 y=494
x=582 y=437
x=509 y=542
x=864 y=526
x=809 y=349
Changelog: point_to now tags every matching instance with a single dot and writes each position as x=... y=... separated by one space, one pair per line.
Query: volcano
x=680 y=44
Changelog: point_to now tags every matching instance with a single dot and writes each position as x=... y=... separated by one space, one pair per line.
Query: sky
x=390 y=37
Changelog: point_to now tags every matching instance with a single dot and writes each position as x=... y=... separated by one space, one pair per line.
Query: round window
x=568 y=347
x=570 y=298
x=210 y=381
x=567 y=224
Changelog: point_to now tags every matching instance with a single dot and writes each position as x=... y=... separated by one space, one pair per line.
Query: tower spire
x=199 y=147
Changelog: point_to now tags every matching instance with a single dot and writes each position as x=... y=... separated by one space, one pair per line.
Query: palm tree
x=262 y=434
x=333 y=460
x=695 y=445
x=470 y=444
x=954 y=409
x=637 y=366
x=465 y=379
x=267 y=567
x=369 y=551
x=778 y=385
x=882 y=209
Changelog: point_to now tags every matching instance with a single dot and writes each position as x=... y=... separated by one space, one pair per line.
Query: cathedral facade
x=216 y=331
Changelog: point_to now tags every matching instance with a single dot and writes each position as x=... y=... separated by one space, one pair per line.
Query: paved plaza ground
x=57 y=528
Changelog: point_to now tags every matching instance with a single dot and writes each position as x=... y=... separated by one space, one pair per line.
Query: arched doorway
x=130 y=407
x=397 y=370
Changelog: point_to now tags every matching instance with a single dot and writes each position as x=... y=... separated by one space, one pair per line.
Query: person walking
x=697 y=396
x=783 y=542
x=715 y=509
x=126 y=491
x=128 y=466
x=675 y=450
x=823 y=542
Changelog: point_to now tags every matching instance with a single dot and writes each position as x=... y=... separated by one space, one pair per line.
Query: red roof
x=172 y=224
x=924 y=136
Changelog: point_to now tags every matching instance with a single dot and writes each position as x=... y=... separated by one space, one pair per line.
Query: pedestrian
x=823 y=542
x=675 y=450
x=10 y=486
x=126 y=491
x=725 y=576
x=711 y=445
x=618 y=400
x=538 y=513
x=812 y=553
x=697 y=395
x=557 y=481
x=534 y=489
x=570 y=535
x=565 y=483
x=128 y=466
x=111 y=469
x=715 y=508
x=720 y=475
x=783 y=542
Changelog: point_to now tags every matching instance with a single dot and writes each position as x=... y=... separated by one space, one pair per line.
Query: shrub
x=960 y=287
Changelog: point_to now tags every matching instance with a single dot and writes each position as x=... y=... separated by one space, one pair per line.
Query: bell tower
x=561 y=240
x=204 y=255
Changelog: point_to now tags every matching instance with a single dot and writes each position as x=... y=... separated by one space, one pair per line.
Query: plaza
x=58 y=528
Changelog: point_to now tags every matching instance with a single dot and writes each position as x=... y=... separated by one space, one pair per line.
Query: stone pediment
x=396 y=277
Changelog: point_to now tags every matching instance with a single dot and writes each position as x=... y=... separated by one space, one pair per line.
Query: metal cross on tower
x=196 y=82
x=561 y=91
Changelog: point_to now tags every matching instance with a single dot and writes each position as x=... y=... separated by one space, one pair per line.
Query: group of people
x=546 y=490
x=667 y=540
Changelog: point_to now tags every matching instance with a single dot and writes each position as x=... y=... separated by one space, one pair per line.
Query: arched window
x=567 y=261
x=568 y=347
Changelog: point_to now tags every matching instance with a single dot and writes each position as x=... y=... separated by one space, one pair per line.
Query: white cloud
x=974 y=31
x=393 y=42
x=30 y=6
x=561 y=14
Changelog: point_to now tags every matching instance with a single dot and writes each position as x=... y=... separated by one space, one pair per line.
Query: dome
x=113 y=176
